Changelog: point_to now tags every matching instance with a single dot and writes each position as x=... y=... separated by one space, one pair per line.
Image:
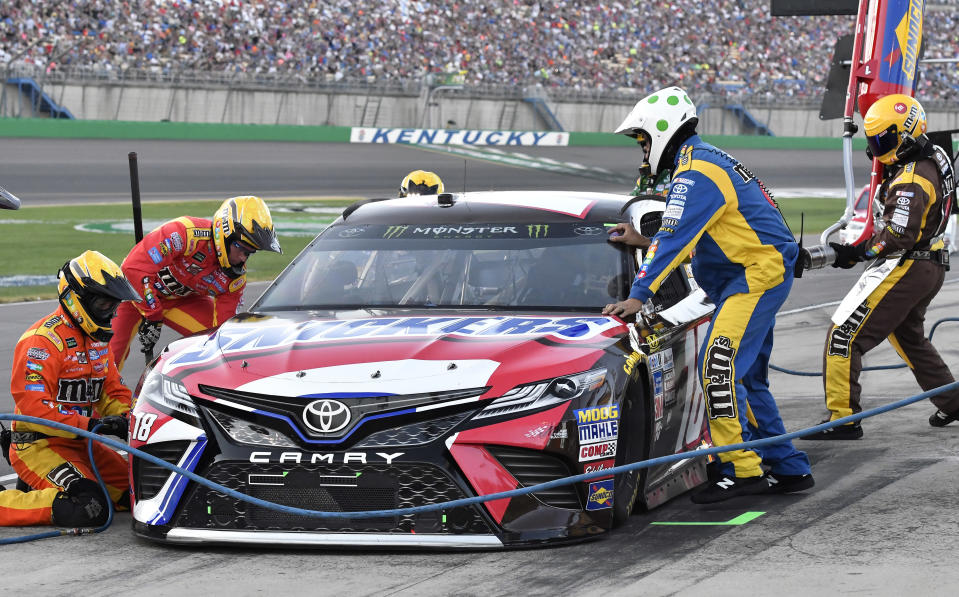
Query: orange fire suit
x=61 y=374
x=176 y=271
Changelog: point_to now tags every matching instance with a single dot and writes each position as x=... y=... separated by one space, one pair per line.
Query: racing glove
x=117 y=425
x=149 y=334
x=848 y=256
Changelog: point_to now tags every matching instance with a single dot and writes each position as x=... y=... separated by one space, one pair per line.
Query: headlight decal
x=545 y=393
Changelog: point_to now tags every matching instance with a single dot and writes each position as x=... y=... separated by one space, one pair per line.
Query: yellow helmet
x=421 y=182
x=91 y=288
x=889 y=121
x=246 y=220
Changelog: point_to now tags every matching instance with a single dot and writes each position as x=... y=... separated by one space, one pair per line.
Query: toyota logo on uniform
x=326 y=416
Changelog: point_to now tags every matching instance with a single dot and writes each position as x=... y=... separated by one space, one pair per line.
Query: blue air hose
x=494 y=496
x=874 y=368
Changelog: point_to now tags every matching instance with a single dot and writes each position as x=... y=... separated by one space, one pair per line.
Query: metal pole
x=135 y=196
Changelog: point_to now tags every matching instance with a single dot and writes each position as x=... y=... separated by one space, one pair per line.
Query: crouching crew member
x=910 y=264
x=63 y=371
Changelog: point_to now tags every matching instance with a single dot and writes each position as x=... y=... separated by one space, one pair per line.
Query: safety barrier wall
x=152 y=103
x=113 y=129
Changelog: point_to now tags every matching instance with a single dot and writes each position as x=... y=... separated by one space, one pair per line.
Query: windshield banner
x=459 y=137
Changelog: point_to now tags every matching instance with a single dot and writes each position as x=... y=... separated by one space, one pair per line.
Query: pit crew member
x=917 y=189
x=191 y=272
x=421 y=182
x=744 y=256
x=63 y=371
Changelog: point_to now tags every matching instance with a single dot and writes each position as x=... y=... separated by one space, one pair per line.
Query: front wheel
x=631 y=448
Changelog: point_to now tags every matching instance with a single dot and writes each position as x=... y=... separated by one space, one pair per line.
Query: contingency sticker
x=597 y=451
x=600 y=495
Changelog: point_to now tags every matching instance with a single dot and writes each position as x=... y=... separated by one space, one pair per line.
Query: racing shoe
x=851 y=431
x=789 y=483
x=941 y=419
x=728 y=486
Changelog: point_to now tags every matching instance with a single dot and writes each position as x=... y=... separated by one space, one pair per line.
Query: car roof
x=492 y=206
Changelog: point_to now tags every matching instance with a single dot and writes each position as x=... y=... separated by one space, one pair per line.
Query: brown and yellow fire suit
x=912 y=215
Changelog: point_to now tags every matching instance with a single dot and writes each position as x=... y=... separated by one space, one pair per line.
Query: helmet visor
x=883 y=142
x=103 y=308
x=422 y=188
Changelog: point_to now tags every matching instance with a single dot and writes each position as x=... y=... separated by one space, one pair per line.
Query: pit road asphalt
x=880 y=521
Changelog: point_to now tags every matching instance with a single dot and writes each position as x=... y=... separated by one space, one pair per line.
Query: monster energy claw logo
x=395 y=231
x=718 y=379
x=537 y=230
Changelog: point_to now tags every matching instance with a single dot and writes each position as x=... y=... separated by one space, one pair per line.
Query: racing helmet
x=247 y=220
x=664 y=119
x=892 y=122
x=91 y=287
x=421 y=182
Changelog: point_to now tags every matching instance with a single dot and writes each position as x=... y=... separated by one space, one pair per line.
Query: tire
x=632 y=448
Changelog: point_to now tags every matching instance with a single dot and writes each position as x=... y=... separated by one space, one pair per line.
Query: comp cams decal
x=597 y=451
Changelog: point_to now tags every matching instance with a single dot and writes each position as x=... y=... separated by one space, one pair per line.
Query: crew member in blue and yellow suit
x=743 y=257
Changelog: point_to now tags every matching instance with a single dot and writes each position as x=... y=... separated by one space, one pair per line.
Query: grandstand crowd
x=721 y=46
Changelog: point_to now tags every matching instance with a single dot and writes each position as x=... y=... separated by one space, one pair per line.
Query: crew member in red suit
x=191 y=272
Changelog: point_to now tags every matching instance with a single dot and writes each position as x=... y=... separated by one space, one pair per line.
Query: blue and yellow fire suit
x=743 y=259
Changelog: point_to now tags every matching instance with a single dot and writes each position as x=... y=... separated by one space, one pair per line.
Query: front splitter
x=307 y=539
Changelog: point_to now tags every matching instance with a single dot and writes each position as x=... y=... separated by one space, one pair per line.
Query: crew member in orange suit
x=63 y=371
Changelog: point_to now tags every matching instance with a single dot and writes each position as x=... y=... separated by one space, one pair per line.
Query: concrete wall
x=143 y=102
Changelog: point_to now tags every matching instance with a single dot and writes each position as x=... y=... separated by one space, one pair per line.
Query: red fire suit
x=176 y=271
x=61 y=374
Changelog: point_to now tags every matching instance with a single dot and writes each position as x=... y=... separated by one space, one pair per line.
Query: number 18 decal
x=143 y=426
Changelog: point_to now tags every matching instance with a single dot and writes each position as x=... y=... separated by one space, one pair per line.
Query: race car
x=428 y=349
x=853 y=230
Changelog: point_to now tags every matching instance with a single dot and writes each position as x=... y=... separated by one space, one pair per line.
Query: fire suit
x=744 y=256
x=61 y=374
x=912 y=196
x=176 y=271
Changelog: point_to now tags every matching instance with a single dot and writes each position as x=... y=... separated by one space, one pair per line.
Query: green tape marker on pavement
x=739 y=520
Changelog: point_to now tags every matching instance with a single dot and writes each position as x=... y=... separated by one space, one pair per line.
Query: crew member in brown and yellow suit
x=917 y=190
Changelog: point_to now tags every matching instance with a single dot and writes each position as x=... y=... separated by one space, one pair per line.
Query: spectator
x=727 y=47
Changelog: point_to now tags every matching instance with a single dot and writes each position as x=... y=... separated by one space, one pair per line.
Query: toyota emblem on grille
x=326 y=416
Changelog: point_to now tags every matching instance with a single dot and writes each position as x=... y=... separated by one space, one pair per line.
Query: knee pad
x=81 y=505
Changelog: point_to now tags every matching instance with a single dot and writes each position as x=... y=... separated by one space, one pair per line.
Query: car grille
x=335 y=488
x=415 y=434
x=532 y=468
x=149 y=477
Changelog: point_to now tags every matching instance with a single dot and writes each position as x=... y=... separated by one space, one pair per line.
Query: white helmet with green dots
x=660 y=122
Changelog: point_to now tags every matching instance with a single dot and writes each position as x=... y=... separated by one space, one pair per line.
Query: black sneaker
x=729 y=487
x=853 y=431
x=789 y=483
x=941 y=419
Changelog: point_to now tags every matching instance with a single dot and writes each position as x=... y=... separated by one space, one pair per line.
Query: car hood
x=299 y=354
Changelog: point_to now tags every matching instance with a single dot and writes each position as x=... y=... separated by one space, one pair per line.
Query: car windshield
x=526 y=266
